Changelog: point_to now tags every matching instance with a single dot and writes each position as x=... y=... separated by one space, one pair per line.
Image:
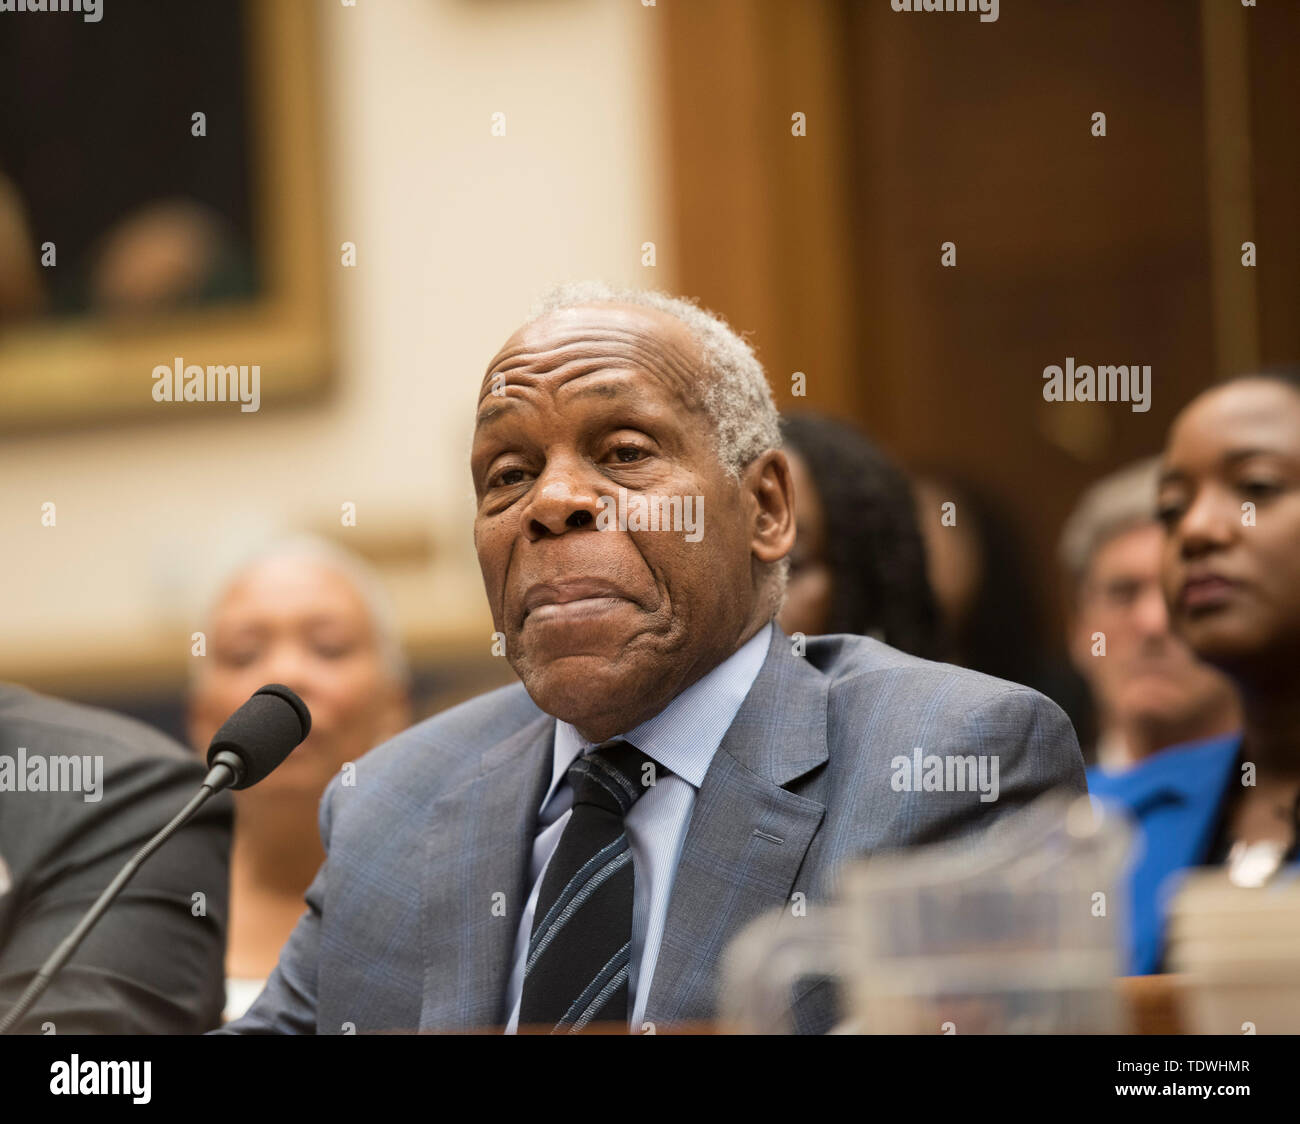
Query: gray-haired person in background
x=1148 y=690
x=312 y=616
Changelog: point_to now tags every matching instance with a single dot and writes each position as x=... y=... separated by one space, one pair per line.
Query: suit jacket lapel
x=748 y=834
x=475 y=884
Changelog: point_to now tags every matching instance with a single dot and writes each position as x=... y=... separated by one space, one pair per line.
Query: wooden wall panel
x=1273 y=38
x=759 y=212
x=934 y=127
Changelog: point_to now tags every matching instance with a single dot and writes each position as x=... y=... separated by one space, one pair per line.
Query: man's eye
x=1123 y=592
x=629 y=454
x=508 y=478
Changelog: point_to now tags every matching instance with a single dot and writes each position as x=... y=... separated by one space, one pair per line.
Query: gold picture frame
x=57 y=373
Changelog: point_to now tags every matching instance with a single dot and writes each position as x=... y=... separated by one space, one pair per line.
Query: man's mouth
x=571 y=599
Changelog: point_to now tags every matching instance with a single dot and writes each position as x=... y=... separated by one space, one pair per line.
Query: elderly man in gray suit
x=579 y=848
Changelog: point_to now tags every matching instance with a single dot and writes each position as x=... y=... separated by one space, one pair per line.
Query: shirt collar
x=684 y=736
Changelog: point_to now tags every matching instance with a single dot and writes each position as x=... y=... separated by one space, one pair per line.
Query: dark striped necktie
x=577 y=965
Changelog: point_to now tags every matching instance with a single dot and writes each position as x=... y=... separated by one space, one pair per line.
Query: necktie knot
x=613 y=776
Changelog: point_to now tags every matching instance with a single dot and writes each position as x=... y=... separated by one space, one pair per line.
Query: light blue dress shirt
x=683 y=738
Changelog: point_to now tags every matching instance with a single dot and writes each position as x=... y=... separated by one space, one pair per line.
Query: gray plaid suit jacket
x=410 y=923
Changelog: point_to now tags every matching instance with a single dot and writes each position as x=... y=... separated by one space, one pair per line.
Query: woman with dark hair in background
x=1229 y=497
x=858 y=564
x=988 y=596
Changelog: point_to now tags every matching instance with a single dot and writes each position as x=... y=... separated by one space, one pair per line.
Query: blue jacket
x=1174 y=797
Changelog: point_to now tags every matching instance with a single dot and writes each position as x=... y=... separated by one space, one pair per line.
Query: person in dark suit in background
x=581 y=847
x=81 y=790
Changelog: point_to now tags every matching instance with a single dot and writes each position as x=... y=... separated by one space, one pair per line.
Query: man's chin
x=582 y=688
x=1156 y=694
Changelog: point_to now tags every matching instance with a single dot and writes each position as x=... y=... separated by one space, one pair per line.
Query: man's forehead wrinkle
x=580 y=368
x=586 y=344
x=610 y=390
x=490 y=413
x=590 y=353
x=489 y=383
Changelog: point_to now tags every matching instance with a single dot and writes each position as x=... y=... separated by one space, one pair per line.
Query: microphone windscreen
x=263 y=732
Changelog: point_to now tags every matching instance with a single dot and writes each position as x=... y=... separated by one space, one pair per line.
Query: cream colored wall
x=457 y=231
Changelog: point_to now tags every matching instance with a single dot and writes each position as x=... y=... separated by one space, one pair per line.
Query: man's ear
x=767 y=479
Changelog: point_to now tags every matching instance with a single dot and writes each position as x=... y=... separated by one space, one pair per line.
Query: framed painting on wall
x=134 y=236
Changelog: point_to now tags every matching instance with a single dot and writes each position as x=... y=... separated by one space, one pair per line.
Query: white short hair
x=733 y=388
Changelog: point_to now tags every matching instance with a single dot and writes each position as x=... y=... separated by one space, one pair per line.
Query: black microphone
x=250 y=745
x=258 y=737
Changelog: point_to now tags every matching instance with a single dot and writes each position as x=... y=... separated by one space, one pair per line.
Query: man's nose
x=1150 y=613
x=563 y=499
